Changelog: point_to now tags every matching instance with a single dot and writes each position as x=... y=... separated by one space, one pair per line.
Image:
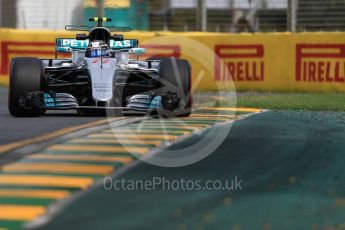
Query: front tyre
x=175 y=77
x=25 y=77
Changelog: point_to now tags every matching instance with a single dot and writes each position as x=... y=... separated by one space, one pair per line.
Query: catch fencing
x=180 y=15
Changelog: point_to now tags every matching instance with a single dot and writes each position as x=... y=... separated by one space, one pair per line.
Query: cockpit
x=97 y=49
x=99 y=45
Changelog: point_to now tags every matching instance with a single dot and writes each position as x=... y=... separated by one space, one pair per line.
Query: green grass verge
x=292 y=101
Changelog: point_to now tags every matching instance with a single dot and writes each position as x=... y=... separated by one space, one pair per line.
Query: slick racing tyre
x=25 y=84
x=175 y=77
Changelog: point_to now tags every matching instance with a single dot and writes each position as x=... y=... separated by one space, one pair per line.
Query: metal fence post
x=1 y=7
x=202 y=15
x=292 y=15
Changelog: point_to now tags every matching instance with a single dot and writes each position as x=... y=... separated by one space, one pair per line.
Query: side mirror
x=137 y=51
x=63 y=49
x=82 y=36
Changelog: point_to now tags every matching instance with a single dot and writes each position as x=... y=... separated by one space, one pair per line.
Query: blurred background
x=180 y=15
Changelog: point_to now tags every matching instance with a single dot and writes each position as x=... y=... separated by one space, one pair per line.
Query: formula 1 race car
x=100 y=76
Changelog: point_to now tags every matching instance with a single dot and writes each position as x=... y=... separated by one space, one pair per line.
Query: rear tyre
x=25 y=76
x=175 y=76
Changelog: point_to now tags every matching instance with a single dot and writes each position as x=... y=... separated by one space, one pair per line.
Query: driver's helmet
x=98 y=49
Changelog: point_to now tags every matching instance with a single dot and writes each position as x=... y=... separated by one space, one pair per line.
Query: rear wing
x=66 y=45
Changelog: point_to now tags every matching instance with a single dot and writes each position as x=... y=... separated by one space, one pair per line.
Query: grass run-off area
x=292 y=101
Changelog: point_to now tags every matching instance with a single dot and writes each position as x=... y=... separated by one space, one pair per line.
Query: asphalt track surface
x=291 y=165
x=33 y=179
x=15 y=129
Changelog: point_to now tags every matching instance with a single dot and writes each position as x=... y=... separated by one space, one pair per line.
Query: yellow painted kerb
x=58 y=168
x=33 y=193
x=105 y=141
x=80 y=157
x=47 y=181
x=20 y=212
x=250 y=110
x=94 y=148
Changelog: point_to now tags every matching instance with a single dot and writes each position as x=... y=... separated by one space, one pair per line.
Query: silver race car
x=100 y=76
